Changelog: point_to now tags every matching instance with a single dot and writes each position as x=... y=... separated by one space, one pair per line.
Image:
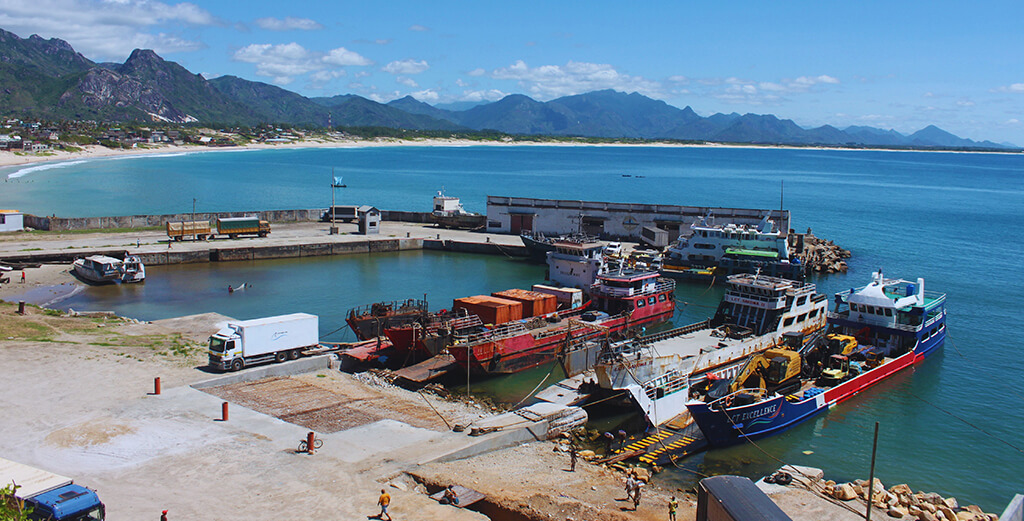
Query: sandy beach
x=9 y=159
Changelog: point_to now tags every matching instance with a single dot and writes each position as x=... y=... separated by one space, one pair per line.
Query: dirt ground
x=78 y=401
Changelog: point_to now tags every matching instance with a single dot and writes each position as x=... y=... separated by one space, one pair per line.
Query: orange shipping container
x=491 y=310
x=534 y=303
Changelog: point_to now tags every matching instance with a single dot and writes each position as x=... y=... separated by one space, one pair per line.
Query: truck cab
x=68 y=503
x=226 y=350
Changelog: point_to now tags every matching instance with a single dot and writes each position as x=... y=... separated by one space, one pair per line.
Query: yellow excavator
x=775 y=371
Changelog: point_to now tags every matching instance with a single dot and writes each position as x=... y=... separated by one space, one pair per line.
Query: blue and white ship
x=895 y=324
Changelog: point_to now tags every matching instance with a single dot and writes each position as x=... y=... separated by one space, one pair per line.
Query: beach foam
x=28 y=170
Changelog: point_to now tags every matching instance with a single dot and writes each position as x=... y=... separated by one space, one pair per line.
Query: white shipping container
x=570 y=298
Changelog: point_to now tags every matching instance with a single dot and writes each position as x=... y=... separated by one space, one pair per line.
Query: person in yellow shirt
x=673 y=505
x=384 y=501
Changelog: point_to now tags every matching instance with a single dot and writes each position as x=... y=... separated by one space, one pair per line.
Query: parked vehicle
x=232 y=227
x=235 y=226
x=271 y=339
x=51 y=496
x=198 y=229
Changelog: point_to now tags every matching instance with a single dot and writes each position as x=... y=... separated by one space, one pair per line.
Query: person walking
x=22 y=276
x=384 y=501
x=636 y=494
x=163 y=516
x=630 y=485
x=673 y=505
x=572 y=458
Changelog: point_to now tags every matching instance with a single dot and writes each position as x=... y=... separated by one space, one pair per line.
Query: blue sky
x=901 y=65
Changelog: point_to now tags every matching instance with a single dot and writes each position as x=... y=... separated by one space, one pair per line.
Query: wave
x=48 y=166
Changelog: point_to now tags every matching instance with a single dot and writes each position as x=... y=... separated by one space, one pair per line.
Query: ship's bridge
x=630 y=282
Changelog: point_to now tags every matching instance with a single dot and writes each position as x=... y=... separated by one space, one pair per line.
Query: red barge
x=620 y=301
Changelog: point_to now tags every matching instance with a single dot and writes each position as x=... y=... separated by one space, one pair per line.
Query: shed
x=735 y=498
x=369 y=220
x=11 y=221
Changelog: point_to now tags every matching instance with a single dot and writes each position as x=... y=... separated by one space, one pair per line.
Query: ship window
x=788 y=322
x=871 y=309
x=813 y=313
x=662 y=297
x=888 y=312
x=652 y=300
x=640 y=303
x=801 y=301
x=802 y=317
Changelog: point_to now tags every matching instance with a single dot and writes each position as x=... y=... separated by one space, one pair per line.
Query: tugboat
x=659 y=370
x=719 y=250
x=882 y=328
x=449 y=213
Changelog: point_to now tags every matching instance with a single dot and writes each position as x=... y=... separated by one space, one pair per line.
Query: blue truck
x=51 y=496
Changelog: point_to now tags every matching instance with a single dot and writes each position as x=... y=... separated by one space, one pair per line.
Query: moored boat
x=888 y=325
x=449 y=213
x=372 y=320
x=717 y=250
x=103 y=269
x=755 y=314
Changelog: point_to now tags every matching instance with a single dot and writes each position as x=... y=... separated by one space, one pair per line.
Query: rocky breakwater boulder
x=822 y=256
x=900 y=502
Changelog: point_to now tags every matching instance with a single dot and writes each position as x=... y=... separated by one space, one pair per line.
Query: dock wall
x=63 y=224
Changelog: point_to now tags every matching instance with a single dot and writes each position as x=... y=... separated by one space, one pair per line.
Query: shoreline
x=8 y=160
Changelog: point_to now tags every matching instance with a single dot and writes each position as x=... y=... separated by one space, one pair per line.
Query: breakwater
x=65 y=224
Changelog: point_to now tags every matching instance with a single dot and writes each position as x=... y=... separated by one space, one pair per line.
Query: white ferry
x=732 y=248
x=755 y=314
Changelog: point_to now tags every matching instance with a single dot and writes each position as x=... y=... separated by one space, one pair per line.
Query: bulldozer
x=775 y=371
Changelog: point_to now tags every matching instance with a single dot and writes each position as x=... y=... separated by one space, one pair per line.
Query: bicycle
x=304 y=447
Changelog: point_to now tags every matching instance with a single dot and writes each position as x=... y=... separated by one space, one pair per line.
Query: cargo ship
x=513 y=330
x=756 y=313
x=888 y=325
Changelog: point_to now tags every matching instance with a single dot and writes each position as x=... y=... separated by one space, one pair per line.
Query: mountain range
x=48 y=79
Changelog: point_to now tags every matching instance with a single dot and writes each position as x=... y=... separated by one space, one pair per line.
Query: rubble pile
x=900 y=502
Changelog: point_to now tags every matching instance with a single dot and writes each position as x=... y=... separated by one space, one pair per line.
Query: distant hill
x=48 y=79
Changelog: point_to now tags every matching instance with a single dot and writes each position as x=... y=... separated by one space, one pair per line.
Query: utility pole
x=194 y=236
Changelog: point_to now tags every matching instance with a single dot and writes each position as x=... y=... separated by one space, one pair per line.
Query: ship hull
x=734 y=425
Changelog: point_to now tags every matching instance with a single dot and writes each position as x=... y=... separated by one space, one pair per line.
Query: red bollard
x=310 y=439
x=156 y=385
x=224 y=412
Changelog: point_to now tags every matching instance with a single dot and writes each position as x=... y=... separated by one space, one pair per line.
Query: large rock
x=926 y=516
x=901 y=489
x=845 y=492
x=951 y=503
x=642 y=474
x=948 y=513
x=587 y=454
x=894 y=512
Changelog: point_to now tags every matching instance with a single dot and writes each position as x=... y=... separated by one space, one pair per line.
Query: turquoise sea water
x=951 y=425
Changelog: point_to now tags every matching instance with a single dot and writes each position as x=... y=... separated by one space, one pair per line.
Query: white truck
x=243 y=343
x=49 y=495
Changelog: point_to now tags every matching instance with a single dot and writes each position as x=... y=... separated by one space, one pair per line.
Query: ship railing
x=376 y=308
x=497 y=333
x=662 y=285
x=845 y=315
x=667 y=384
x=454 y=324
x=672 y=333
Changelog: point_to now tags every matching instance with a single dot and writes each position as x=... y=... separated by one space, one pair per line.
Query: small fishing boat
x=449 y=213
x=103 y=269
x=877 y=331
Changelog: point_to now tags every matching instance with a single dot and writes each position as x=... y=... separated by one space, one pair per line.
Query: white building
x=611 y=221
x=11 y=221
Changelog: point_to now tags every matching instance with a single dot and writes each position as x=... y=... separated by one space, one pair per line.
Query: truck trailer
x=271 y=339
x=232 y=227
x=51 y=496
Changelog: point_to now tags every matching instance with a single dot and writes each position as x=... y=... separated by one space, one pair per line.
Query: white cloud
x=1012 y=121
x=107 y=30
x=483 y=95
x=409 y=66
x=681 y=80
x=283 y=62
x=418 y=28
x=344 y=57
x=1016 y=87
x=477 y=72
x=378 y=41
x=289 y=23
x=409 y=82
x=552 y=81
x=460 y=83
x=363 y=74
x=749 y=92
x=426 y=95
x=965 y=103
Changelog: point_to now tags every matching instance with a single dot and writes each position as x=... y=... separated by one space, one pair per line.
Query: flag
x=337 y=181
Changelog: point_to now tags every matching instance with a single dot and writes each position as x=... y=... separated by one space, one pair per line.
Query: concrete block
x=384 y=245
x=315 y=250
x=345 y=248
x=258 y=372
x=275 y=252
x=231 y=254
